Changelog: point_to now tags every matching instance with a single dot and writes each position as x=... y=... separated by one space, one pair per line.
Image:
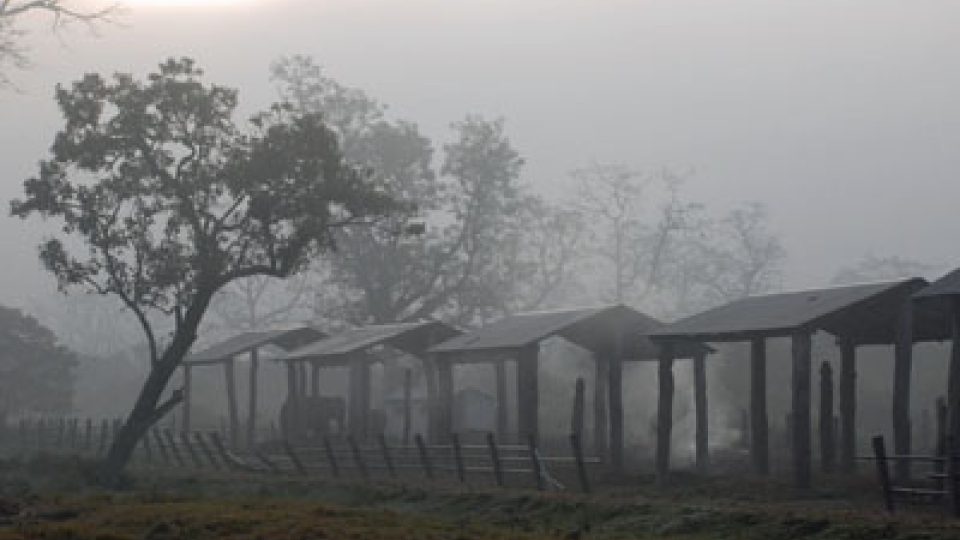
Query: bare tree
x=13 y=51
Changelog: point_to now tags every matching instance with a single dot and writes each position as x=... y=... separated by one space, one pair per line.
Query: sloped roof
x=597 y=329
x=867 y=312
x=948 y=285
x=288 y=338
x=413 y=338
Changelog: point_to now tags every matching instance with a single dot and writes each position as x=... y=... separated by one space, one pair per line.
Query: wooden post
x=232 y=414
x=198 y=437
x=445 y=396
x=700 y=407
x=848 y=404
x=759 y=425
x=424 y=457
x=302 y=380
x=294 y=458
x=407 y=404
x=221 y=449
x=577 y=449
x=172 y=444
x=903 y=363
x=387 y=458
x=801 y=408
x=883 y=473
x=187 y=395
x=88 y=435
x=433 y=405
x=160 y=447
x=291 y=427
x=359 y=398
x=267 y=462
x=953 y=376
x=664 y=411
x=357 y=457
x=535 y=462
x=528 y=392
x=104 y=436
x=314 y=379
x=615 y=406
x=495 y=459
x=331 y=457
x=147 y=448
x=252 y=399
x=458 y=459
x=827 y=443
x=953 y=495
x=194 y=457
x=500 y=368
x=600 y=381
x=939 y=467
x=576 y=420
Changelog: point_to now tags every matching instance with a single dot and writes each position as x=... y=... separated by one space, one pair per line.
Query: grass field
x=47 y=501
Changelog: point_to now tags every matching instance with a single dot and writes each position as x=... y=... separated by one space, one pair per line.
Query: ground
x=53 y=501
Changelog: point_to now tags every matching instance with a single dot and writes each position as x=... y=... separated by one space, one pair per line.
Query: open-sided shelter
x=355 y=348
x=870 y=314
x=943 y=295
x=612 y=333
x=225 y=353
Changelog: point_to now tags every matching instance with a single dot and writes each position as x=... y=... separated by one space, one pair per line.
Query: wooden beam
x=232 y=411
x=252 y=399
x=187 y=395
x=700 y=408
x=445 y=391
x=433 y=405
x=664 y=411
x=500 y=368
x=528 y=393
x=953 y=377
x=801 y=408
x=315 y=379
x=291 y=427
x=407 y=405
x=827 y=442
x=600 y=423
x=302 y=380
x=576 y=418
x=359 y=397
x=902 y=370
x=615 y=404
x=848 y=404
x=759 y=425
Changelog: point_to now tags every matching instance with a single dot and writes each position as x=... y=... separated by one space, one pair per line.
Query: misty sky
x=840 y=116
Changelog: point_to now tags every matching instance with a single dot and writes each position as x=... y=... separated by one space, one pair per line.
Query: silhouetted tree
x=172 y=199
x=38 y=372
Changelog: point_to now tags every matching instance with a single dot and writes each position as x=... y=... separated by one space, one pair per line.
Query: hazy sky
x=841 y=116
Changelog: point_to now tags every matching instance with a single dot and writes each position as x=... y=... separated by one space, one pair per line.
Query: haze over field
x=840 y=117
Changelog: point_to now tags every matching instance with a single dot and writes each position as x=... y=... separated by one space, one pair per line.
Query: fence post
x=535 y=461
x=61 y=432
x=952 y=474
x=577 y=448
x=288 y=448
x=147 y=450
x=222 y=450
x=88 y=436
x=357 y=456
x=194 y=457
x=74 y=433
x=173 y=447
x=387 y=459
x=159 y=440
x=263 y=459
x=22 y=430
x=940 y=467
x=495 y=459
x=424 y=457
x=331 y=457
x=883 y=471
x=206 y=450
x=458 y=456
x=104 y=437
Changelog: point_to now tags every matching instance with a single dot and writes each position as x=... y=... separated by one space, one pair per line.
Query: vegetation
x=172 y=200
x=37 y=371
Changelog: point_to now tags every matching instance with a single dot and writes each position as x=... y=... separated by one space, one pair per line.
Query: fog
x=839 y=117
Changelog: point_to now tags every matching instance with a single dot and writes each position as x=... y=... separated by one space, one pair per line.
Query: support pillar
x=232 y=412
x=700 y=408
x=359 y=398
x=664 y=411
x=576 y=418
x=291 y=422
x=445 y=392
x=500 y=367
x=252 y=399
x=433 y=405
x=314 y=379
x=759 y=426
x=902 y=370
x=187 y=395
x=801 y=408
x=953 y=377
x=615 y=388
x=528 y=393
x=600 y=423
x=848 y=404
x=827 y=441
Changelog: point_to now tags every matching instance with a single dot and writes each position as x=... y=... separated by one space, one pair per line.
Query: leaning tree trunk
x=147 y=410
